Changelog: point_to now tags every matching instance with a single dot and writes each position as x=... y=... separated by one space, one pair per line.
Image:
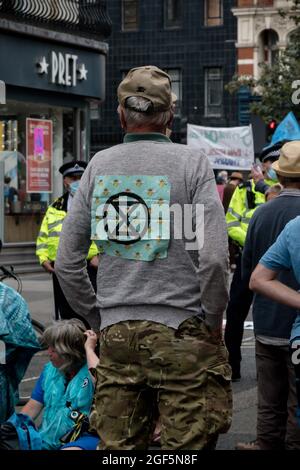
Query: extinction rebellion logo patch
x=131 y=216
x=127 y=218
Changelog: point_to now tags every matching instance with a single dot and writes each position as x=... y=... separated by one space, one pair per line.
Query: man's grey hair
x=138 y=113
x=67 y=338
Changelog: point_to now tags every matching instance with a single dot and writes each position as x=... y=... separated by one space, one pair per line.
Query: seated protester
x=65 y=388
x=18 y=343
x=88 y=440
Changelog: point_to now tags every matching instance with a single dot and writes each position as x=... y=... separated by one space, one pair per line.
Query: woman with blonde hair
x=65 y=388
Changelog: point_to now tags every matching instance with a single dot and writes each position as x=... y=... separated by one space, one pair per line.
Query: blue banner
x=288 y=129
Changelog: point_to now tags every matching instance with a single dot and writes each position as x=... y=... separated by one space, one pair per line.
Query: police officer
x=241 y=208
x=48 y=237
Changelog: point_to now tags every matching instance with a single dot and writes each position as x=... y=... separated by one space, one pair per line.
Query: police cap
x=76 y=167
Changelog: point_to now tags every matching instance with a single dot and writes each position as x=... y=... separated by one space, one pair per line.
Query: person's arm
x=264 y=277
x=247 y=255
x=263 y=281
x=213 y=249
x=42 y=245
x=261 y=186
x=36 y=403
x=32 y=408
x=94 y=261
x=259 y=180
x=47 y=265
x=233 y=218
x=91 y=342
x=93 y=252
x=74 y=244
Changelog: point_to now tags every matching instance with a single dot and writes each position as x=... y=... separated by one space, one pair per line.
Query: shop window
x=213 y=92
x=34 y=140
x=213 y=12
x=8 y=134
x=68 y=135
x=130 y=15
x=172 y=13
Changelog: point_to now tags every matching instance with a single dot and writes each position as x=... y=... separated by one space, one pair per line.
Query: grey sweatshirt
x=168 y=290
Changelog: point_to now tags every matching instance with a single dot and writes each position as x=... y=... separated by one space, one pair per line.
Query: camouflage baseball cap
x=151 y=83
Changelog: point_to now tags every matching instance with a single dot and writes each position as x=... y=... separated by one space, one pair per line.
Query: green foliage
x=293 y=13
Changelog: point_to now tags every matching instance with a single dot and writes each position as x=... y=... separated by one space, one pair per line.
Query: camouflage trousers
x=147 y=370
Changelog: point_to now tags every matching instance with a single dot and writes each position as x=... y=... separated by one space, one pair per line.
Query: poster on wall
x=39 y=155
x=229 y=148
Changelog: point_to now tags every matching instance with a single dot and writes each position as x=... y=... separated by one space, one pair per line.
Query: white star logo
x=43 y=65
x=82 y=72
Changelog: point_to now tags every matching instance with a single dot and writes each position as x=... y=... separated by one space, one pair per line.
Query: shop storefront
x=44 y=122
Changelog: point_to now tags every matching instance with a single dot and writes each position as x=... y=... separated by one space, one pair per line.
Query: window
x=130 y=15
x=172 y=13
x=268 y=47
x=33 y=137
x=213 y=12
x=213 y=92
x=175 y=75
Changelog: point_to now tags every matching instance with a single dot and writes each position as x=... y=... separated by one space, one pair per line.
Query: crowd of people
x=257 y=213
x=164 y=370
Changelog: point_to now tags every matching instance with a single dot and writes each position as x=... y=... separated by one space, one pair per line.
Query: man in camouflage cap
x=160 y=304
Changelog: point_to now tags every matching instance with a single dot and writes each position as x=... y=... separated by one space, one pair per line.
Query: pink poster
x=38 y=139
x=39 y=155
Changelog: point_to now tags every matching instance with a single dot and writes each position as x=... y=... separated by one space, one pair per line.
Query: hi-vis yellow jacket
x=244 y=202
x=48 y=239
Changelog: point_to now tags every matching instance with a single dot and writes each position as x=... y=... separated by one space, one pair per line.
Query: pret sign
x=65 y=69
x=46 y=66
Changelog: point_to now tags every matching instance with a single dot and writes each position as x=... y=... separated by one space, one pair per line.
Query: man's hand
x=94 y=262
x=256 y=175
x=91 y=340
x=48 y=267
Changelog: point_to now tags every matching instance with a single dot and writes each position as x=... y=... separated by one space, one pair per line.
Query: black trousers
x=63 y=310
x=277 y=428
x=238 y=308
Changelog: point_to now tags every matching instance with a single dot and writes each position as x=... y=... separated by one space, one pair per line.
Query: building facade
x=193 y=40
x=50 y=54
x=262 y=33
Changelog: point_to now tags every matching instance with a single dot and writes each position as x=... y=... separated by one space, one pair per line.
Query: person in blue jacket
x=65 y=388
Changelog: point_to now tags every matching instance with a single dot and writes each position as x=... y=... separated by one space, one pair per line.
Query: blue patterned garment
x=20 y=342
x=131 y=216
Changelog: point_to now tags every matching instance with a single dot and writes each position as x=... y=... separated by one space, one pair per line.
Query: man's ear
x=122 y=118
